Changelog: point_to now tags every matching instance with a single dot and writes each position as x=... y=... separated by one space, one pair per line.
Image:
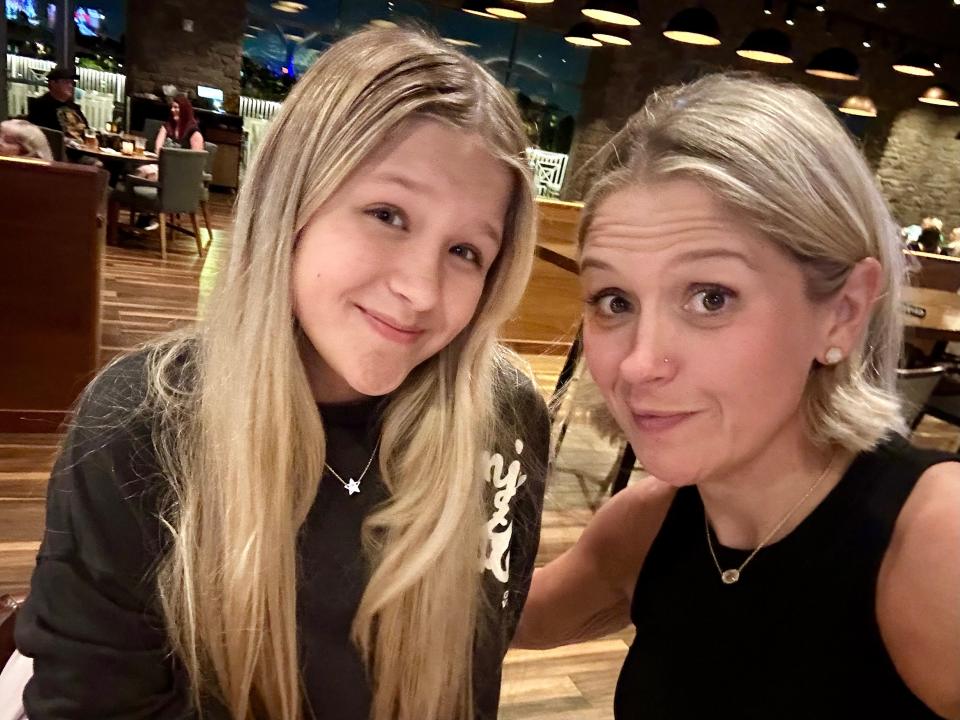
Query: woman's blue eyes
x=395 y=219
x=709 y=301
x=608 y=303
x=706 y=300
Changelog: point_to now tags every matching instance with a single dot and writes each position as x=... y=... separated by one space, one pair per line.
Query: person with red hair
x=181 y=128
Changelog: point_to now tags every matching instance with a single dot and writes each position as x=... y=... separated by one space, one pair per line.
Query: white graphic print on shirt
x=499 y=528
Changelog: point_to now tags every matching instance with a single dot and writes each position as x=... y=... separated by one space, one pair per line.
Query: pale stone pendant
x=729 y=577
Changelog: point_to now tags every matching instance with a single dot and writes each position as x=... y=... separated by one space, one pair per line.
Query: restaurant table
x=941 y=320
x=561 y=254
x=116 y=163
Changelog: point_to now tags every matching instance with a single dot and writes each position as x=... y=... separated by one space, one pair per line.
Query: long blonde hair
x=774 y=153
x=242 y=443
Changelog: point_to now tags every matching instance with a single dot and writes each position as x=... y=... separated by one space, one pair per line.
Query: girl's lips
x=386 y=328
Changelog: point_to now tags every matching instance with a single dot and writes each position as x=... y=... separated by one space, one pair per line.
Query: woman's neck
x=746 y=504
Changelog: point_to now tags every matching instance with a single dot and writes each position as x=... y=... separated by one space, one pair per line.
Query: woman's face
x=392 y=267
x=698 y=331
x=175 y=112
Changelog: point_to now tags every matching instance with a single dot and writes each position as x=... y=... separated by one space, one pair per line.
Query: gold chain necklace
x=731 y=576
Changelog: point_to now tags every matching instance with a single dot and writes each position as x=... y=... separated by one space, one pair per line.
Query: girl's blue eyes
x=395 y=219
x=389 y=216
x=467 y=253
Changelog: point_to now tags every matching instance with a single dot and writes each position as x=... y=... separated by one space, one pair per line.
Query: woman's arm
x=918 y=591
x=196 y=141
x=161 y=139
x=586 y=592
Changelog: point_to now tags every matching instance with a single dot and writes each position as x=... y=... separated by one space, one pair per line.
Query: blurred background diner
x=150 y=111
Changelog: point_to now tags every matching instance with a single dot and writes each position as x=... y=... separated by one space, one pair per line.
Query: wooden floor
x=144 y=296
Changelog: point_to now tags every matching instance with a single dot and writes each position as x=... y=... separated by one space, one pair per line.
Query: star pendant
x=353 y=487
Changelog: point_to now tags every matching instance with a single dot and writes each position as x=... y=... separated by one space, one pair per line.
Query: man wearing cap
x=56 y=109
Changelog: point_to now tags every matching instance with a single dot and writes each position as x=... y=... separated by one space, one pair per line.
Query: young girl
x=323 y=501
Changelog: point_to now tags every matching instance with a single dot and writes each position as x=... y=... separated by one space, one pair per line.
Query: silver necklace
x=353 y=486
x=729 y=577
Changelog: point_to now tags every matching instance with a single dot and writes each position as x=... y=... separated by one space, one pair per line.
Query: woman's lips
x=654 y=422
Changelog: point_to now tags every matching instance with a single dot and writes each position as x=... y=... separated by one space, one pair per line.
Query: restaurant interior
x=100 y=256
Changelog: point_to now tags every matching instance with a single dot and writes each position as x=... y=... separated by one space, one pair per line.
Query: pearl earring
x=833 y=356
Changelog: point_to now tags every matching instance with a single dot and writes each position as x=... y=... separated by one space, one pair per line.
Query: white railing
x=257 y=108
x=32 y=70
x=549 y=169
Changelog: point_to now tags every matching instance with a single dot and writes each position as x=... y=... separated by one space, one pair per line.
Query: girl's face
x=175 y=112
x=391 y=269
x=698 y=331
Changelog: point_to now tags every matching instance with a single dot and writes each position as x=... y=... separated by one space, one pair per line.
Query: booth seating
x=52 y=231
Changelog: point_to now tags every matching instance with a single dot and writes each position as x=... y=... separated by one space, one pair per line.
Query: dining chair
x=55 y=140
x=178 y=189
x=207 y=179
x=915 y=387
x=151 y=128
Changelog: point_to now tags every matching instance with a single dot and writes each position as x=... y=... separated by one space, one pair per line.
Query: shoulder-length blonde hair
x=776 y=155
x=242 y=442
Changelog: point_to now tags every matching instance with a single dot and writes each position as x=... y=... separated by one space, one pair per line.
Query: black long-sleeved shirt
x=92 y=621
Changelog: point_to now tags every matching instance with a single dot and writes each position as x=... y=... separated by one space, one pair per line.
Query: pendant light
x=915 y=63
x=288 y=7
x=615 y=12
x=861 y=105
x=695 y=25
x=836 y=64
x=940 y=95
x=769 y=46
x=506 y=10
x=476 y=7
x=581 y=35
x=612 y=35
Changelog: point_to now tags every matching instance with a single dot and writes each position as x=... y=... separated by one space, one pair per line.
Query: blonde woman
x=19 y=138
x=324 y=501
x=790 y=556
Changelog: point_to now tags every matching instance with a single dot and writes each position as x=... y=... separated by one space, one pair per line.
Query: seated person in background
x=181 y=128
x=56 y=109
x=18 y=138
x=929 y=240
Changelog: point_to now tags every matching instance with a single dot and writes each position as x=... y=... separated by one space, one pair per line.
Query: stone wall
x=920 y=167
x=913 y=148
x=160 y=51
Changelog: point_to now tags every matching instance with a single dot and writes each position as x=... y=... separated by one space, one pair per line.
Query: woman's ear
x=851 y=310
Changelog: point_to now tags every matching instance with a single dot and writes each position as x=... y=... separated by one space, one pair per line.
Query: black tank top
x=797 y=636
